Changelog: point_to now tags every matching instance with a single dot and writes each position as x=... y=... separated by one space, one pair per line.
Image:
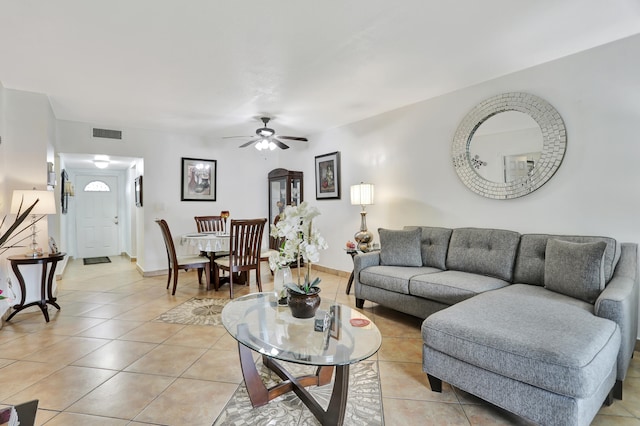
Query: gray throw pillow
x=575 y=269
x=400 y=248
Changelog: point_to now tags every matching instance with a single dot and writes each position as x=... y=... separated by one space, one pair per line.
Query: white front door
x=97 y=217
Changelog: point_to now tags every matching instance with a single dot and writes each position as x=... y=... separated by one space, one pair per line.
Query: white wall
x=406 y=153
x=4 y=192
x=27 y=122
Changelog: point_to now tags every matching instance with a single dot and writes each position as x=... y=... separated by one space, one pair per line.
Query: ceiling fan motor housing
x=265 y=132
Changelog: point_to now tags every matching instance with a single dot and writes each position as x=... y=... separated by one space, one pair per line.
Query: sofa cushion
x=488 y=252
x=530 y=262
x=452 y=286
x=575 y=269
x=434 y=244
x=400 y=247
x=531 y=335
x=392 y=278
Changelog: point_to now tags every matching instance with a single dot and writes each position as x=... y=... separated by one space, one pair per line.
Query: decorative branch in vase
x=8 y=238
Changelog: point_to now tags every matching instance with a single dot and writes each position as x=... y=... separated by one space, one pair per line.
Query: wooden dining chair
x=274 y=245
x=209 y=223
x=182 y=262
x=245 y=239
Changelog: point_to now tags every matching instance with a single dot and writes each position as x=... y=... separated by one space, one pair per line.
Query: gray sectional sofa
x=541 y=325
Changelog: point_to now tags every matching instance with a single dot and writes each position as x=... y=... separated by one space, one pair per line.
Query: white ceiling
x=212 y=67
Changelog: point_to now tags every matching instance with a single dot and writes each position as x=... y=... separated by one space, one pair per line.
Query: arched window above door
x=97 y=186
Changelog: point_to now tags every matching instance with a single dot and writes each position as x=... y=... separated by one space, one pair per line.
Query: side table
x=46 y=281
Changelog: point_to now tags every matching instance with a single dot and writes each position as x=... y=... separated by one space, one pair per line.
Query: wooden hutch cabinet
x=285 y=189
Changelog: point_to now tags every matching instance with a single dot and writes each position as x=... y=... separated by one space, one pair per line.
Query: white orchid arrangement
x=301 y=241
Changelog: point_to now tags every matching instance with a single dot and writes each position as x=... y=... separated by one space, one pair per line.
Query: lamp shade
x=46 y=203
x=362 y=194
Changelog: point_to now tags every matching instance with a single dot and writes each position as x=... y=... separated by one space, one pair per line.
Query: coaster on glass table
x=359 y=322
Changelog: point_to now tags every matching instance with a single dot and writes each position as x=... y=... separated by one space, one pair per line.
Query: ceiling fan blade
x=244 y=145
x=294 y=138
x=233 y=137
x=280 y=144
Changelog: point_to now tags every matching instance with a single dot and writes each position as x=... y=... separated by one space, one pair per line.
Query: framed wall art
x=138 y=191
x=198 y=180
x=328 y=176
x=64 y=191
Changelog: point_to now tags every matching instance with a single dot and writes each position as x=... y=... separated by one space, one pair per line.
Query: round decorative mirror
x=509 y=145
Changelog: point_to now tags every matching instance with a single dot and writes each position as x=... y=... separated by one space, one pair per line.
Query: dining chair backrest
x=209 y=223
x=275 y=242
x=245 y=239
x=168 y=242
x=202 y=264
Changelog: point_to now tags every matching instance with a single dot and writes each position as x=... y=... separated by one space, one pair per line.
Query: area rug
x=96 y=260
x=195 y=311
x=364 y=403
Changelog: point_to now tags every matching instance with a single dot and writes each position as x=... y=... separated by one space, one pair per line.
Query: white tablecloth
x=209 y=242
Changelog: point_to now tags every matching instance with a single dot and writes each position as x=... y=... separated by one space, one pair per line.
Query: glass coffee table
x=259 y=324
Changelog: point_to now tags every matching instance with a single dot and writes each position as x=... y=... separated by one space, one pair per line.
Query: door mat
x=96 y=260
x=364 y=402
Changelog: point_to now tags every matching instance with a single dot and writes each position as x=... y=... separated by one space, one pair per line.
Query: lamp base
x=364 y=239
x=34 y=249
x=34 y=253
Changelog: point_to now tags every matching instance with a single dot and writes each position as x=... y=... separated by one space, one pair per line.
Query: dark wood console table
x=46 y=281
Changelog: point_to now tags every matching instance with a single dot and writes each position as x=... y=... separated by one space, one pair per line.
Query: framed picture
x=328 y=176
x=198 y=180
x=53 y=247
x=64 y=191
x=336 y=318
x=138 y=191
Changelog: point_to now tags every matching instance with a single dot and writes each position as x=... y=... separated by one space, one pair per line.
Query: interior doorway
x=92 y=233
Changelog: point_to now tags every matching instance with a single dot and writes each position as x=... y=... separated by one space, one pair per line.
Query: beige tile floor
x=103 y=361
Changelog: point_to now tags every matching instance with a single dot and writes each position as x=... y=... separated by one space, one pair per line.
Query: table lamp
x=362 y=194
x=21 y=200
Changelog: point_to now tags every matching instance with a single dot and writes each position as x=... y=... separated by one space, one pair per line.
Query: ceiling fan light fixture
x=263 y=144
x=267 y=138
x=101 y=164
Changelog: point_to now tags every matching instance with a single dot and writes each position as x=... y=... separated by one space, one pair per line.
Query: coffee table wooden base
x=260 y=395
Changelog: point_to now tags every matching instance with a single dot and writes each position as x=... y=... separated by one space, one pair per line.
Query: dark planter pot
x=304 y=305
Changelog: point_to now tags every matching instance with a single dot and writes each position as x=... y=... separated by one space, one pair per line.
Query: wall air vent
x=106 y=133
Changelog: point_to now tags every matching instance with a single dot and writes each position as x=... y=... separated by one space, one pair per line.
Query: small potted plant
x=301 y=241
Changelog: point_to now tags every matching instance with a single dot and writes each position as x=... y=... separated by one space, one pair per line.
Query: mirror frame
x=554 y=145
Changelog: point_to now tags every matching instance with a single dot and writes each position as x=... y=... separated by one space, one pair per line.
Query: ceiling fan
x=267 y=138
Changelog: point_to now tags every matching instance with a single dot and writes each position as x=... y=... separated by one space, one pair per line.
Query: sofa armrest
x=619 y=303
x=362 y=261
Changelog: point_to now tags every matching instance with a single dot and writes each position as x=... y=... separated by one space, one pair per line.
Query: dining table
x=208 y=242
x=213 y=245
